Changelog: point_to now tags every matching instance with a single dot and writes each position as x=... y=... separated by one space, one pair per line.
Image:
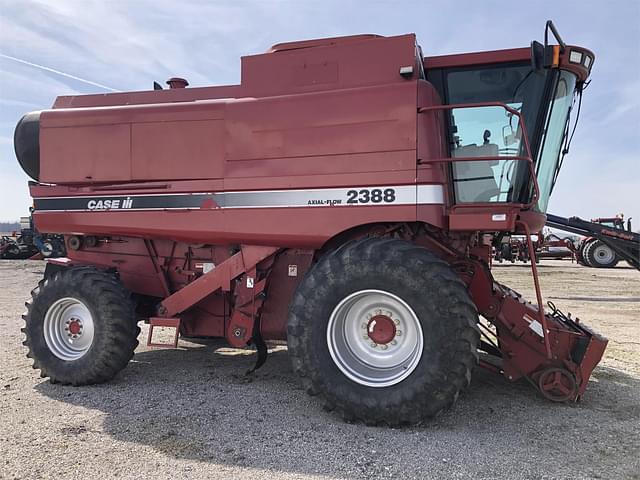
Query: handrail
x=528 y=158
x=536 y=283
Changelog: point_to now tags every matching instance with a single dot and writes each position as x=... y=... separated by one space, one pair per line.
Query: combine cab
x=344 y=198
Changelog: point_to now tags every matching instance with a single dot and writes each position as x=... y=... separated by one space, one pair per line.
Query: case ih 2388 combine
x=343 y=197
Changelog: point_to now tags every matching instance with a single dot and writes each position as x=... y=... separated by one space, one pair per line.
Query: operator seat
x=474 y=181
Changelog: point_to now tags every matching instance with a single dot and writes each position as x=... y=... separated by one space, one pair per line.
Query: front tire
x=384 y=331
x=583 y=258
x=80 y=327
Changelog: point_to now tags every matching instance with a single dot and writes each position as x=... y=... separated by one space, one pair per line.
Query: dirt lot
x=191 y=413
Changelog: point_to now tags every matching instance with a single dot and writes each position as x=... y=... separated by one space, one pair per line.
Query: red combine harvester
x=343 y=198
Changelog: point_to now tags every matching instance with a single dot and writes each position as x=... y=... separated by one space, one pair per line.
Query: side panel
x=297 y=128
x=287 y=227
x=431 y=146
x=288 y=271
x=337 y=65
x=83 y=153
x=132 y=143
x=178 y=149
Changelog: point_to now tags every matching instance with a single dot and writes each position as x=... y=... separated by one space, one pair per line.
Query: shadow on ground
x=196 y=403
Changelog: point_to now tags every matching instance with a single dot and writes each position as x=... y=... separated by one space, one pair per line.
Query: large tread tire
x=12 y=252
x=584 y=253
x=429 y=286
x=115 y=326
x=597 y=261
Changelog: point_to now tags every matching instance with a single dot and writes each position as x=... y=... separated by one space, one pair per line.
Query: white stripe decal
x=323 y=197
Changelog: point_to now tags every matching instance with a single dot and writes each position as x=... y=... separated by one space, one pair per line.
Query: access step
x=163 y=322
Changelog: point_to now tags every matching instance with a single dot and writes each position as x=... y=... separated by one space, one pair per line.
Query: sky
x=91 y=46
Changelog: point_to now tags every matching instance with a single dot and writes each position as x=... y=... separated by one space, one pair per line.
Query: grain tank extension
x=343 y=197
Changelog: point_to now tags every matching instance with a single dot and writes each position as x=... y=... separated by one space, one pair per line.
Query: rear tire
x=80 y=327
x=406 y=284
x=600 y=255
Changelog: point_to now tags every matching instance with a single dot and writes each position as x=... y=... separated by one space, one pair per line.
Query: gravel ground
x=191 y=413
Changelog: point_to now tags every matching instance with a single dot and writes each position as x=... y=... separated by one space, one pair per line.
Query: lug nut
x=383 y=347
x=396 y=321
x=393 y=342
x=365 y=337
x=364 y=326
x=398 y=333
x=374 y=345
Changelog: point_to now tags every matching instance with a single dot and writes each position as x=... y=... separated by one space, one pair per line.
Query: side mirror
x=542 y=55
x=537 y=56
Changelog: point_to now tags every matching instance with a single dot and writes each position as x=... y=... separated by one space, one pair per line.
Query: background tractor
x=595 y=253
x=605 y=241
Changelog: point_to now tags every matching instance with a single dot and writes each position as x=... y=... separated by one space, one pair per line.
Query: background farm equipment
x=512 y=248
x=30 y=243
x=606 y=240
x=16 y=248
x=341 y=198
x=547 y=244
x=556 y=246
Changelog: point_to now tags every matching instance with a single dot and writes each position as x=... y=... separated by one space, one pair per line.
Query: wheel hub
x=74 y=326
x=381 y=329
x=604 y=254
x=68 y=328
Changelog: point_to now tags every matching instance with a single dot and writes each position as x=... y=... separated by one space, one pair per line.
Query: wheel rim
x=603 y=254
x=375 y=338
x=557 y=385
x=47 y=249
x=68 y=328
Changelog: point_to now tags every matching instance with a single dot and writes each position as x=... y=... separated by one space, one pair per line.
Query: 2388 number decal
x=375 y=195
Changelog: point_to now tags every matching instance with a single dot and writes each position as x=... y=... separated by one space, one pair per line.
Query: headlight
x=575 y=57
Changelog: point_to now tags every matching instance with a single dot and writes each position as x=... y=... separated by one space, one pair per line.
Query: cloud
x=57 y=72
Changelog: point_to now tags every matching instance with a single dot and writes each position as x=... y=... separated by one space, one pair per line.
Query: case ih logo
x=110 y=204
